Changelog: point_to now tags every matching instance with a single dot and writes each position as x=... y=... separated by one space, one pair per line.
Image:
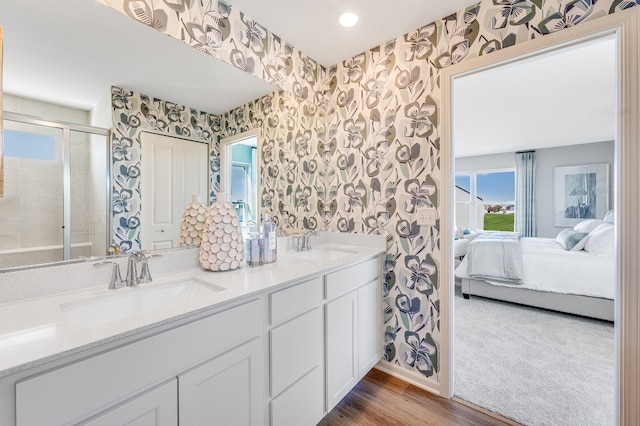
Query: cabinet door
x=296 y=348
x=369 y=327
x=158 y=407
x=302 y=404
x=227 y=390
x=342 y=347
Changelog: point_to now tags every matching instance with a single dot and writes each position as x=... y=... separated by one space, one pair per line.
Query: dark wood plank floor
x=380 y=399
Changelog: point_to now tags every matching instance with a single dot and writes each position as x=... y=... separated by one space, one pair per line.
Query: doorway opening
x=625 y=27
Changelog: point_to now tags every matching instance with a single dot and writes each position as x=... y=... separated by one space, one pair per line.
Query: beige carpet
x=534 y=366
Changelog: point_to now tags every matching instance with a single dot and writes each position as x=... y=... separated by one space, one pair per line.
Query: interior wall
x=131 y=114
x=546 y=160
x=237 y=39
x=574 y=155
x=291 y=132
x=380 y=153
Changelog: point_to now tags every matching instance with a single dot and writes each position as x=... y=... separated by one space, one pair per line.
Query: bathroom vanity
x=280 y=344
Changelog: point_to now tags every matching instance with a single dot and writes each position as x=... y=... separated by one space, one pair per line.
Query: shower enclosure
x=56 y=191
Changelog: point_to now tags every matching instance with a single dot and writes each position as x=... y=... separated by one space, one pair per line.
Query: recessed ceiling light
x=348 y=19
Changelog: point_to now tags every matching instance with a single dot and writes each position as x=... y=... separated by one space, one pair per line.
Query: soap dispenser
x=269 y=240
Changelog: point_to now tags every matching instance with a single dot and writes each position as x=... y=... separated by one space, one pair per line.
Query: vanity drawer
x=295 y=300
x=345 y=280
x=72 y=393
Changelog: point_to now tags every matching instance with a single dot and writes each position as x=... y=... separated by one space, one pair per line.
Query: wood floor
x=380 y=399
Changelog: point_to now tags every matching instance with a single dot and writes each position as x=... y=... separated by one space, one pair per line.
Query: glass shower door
x=56 y=192
x=31 y=211
x=89 y=194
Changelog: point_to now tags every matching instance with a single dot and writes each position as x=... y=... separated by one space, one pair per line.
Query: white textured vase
x=192 y=224
x=222 y=248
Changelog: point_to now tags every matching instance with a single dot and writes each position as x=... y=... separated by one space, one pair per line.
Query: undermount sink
x=134 y=302
x=323 y=253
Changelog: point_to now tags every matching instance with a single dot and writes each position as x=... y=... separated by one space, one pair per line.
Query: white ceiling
x=69 y=53
x=312 y=26
x=563 y=98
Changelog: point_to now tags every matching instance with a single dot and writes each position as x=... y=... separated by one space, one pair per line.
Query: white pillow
x=588 y=225
x=600 y=241
x=572 y=240
x=609 y=217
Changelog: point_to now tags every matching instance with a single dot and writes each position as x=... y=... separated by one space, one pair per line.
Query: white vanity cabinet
x=281 y=354
x=296 y=354
x=206 y=355
x=223 y=391
x=353 y=334
x=156 y=407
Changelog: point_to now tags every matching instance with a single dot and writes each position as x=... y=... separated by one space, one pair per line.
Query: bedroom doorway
x=622 y=177
x=542 y=355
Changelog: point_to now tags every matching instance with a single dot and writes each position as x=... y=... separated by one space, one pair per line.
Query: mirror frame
x=225 y=166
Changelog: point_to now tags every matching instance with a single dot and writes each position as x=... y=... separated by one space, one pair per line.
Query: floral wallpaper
x=290 y=131
x=218 y=29
x=383 y=122
x=356 y=148
x=133 y=113
x=378 y=158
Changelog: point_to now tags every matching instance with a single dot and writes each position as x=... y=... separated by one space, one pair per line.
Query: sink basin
x=135 y=302
x=323 y=254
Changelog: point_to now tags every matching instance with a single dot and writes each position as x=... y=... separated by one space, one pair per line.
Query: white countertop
x=39 y=330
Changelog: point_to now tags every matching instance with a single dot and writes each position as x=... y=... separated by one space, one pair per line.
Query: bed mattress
x=548 y=267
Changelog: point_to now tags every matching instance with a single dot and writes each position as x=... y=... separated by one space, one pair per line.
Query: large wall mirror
x=240 y=176
x=60 y=61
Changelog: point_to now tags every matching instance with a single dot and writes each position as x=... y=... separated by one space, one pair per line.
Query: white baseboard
x=409 y=377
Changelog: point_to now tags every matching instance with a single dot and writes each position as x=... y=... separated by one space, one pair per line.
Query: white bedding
x=548 y=267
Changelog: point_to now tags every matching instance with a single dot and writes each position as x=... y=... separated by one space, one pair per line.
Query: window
x=486 y=200
x=36 y=146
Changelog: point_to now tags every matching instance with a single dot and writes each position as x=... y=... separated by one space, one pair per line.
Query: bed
x=576 y=281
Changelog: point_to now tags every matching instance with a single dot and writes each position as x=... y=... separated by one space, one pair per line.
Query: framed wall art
x=580 y=193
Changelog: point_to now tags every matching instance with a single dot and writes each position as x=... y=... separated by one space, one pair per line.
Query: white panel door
x=228 y=390
x=158 y=407
x=172 y=170
x=342 y=347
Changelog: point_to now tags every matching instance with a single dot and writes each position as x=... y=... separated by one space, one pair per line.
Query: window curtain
x=525 y=193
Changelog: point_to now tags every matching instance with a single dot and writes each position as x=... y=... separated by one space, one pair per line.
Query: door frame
x=225 y=166
x=625 y=25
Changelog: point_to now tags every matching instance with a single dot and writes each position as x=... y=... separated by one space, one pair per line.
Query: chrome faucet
x=132 y=271
x=145 y=275
x=116 y=280
x=133 y=279
x=303 y=242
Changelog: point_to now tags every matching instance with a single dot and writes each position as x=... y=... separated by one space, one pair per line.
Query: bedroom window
x=486 y=200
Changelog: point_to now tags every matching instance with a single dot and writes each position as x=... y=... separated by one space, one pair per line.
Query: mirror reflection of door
x=239 y=176
x=173 y=171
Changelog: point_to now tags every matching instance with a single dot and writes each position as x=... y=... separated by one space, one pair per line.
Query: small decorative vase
x=192 y=226
x=222 y=248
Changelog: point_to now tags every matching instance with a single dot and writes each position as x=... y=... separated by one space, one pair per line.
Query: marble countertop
x=42 y=329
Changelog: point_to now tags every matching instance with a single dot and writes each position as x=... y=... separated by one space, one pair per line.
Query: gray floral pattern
x=133 y=113
x=356 y=148
x=220 y=30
